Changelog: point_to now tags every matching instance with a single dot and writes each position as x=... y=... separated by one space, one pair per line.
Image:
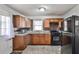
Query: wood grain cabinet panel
x=16 y=21
x=27 y=39
x=35 y=39
x=23 y=22
x=48 y=21
x=46 y=24
x=65 y=40
x=18 y=43
x=19 y=21
x=48 y=38
x=41 y=39
x=29 y=23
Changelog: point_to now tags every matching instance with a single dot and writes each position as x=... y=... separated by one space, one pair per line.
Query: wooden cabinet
x=41 y=39
x=19 y=21
x=46 y=24
x=54 y=20
x=65 y=40
x=35 y=39
x=48 y=38
x=29 y=23
x=27 y=39
x=23 y=22
x=16 y=21
x=18 y=43
x=49 y=21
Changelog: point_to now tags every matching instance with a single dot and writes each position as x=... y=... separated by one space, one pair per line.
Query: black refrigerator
x=73 y=27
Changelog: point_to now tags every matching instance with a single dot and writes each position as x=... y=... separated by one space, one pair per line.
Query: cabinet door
x=65 y=40
x=19 y=21
x=47 y=38
x=29 y=23
x=18 y=43
x=16 y=21
x=35 y=39
x=27 y=39
x=22 y=22
x=42 y=39
x=46 y=24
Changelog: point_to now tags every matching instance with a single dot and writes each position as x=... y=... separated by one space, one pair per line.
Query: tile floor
x=42 y=49
x=66 y=49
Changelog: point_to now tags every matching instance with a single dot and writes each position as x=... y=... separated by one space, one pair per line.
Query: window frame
x=5 y=28
x=37 y=25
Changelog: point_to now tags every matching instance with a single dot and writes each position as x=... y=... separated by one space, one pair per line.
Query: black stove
x=55 y=37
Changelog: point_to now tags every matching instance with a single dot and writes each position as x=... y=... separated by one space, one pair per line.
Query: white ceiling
x=32 y=9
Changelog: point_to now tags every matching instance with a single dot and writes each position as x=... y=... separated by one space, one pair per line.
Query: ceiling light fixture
x=42 y=9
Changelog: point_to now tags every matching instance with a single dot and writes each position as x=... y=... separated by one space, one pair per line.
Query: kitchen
x=36 y=29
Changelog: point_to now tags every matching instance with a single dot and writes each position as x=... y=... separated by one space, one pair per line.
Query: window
x=37 y=25
x=5 y=25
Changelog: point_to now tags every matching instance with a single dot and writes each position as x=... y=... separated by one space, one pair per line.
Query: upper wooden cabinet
x=28 y=23
x=53 y=20
x=19 y=21
x=56 y=19
x=35 y=39
x=46 y=24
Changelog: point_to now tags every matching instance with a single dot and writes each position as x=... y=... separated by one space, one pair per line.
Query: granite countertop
x=33 y=32
x=44 y=32
x=67 y=33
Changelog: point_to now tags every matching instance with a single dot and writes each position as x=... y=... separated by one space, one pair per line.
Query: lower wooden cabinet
x=21 y=42
x=65 y=40
x=27 y=39
x=35 y=39
x=41 y=39
x=18 y=43
x=48 y=38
